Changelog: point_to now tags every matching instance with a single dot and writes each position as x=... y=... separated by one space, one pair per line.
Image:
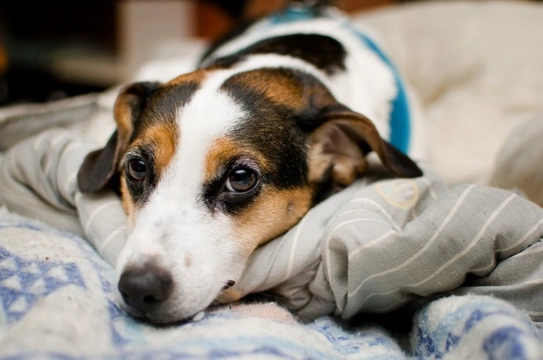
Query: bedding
x=58 y=302
x=374 y=247
x=459 y=267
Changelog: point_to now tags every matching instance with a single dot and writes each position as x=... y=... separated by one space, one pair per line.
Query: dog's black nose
x=146 y=287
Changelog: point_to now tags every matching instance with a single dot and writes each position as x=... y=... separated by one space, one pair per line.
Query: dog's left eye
x=241 y=179
x=137 y=169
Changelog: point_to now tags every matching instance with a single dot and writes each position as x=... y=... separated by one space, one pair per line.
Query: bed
x=449 y=265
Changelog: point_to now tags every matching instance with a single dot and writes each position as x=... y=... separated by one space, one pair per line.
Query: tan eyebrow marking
x=162 y=139
x=197 y=76
x=223 y=150
x=275 y=85
x=126 y=200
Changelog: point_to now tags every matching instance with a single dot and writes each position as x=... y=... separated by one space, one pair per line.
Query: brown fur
x=122 y=113
x=127 y=202
x=276 y=86
x=188 y=261
x=271 y=215
x=162 y=139
x=197 y=76
x=329 y=146
x=225 y=149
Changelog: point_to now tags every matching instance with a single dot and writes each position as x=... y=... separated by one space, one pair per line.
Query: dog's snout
x=145 y=288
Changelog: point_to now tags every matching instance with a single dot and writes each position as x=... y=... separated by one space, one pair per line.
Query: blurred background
x=54 y=49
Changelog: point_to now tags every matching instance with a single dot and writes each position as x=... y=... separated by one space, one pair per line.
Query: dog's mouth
x=156 y=318
x=228 y=285
x=157 y=312
x=156 y=321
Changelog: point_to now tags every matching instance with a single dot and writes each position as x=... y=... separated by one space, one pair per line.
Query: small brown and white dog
x=217 y=162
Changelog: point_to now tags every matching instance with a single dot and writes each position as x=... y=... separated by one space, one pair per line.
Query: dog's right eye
x=241 y=180
x=137 y=169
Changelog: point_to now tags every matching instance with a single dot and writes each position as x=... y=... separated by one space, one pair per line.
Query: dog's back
x=349 y=60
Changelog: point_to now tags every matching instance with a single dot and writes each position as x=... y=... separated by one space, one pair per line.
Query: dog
x=217 y=162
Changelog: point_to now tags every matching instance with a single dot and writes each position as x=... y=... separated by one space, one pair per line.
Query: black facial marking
x=217 y=197
x=324 y=52
x=163 y=104
x=232 y=203
x=140 y=189
x=269 y=131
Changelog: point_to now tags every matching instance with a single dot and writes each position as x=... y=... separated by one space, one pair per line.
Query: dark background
x=34 y=33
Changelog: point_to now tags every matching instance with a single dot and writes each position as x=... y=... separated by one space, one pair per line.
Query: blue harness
x=400 y=118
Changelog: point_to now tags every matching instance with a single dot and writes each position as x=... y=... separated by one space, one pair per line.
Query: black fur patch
x=163 y=105
x=141 y=190
x=217 y=198
x=324 y=52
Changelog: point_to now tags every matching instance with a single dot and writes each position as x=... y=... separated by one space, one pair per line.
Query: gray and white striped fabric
x=373 y=247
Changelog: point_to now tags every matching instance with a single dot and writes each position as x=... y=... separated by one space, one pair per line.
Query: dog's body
x=219 y=161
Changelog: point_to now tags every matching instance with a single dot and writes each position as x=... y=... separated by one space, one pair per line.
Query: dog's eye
x=241 y=179
x=137 y=169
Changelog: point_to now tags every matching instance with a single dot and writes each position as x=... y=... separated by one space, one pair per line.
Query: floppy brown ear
x=100 y=166
x=343 y=140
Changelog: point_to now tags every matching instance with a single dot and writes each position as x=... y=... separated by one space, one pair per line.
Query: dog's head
x=215 y=163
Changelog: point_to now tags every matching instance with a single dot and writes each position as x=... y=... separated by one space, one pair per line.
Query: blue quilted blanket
x=57 y=301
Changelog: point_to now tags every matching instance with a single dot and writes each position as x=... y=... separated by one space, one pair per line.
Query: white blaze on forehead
x=209 y=115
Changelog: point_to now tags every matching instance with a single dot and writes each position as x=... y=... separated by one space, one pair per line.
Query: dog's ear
x=342 y=140
x=100 y=166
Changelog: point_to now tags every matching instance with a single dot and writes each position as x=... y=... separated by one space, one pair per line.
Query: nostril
x=125 y=296
x=150 y=299
x=146 y=287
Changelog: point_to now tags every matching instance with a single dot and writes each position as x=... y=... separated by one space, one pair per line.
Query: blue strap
x=400 y=118
x=294 y=13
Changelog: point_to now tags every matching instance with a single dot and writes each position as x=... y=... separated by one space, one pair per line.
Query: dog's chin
x=160 y=315
x=160 y=319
